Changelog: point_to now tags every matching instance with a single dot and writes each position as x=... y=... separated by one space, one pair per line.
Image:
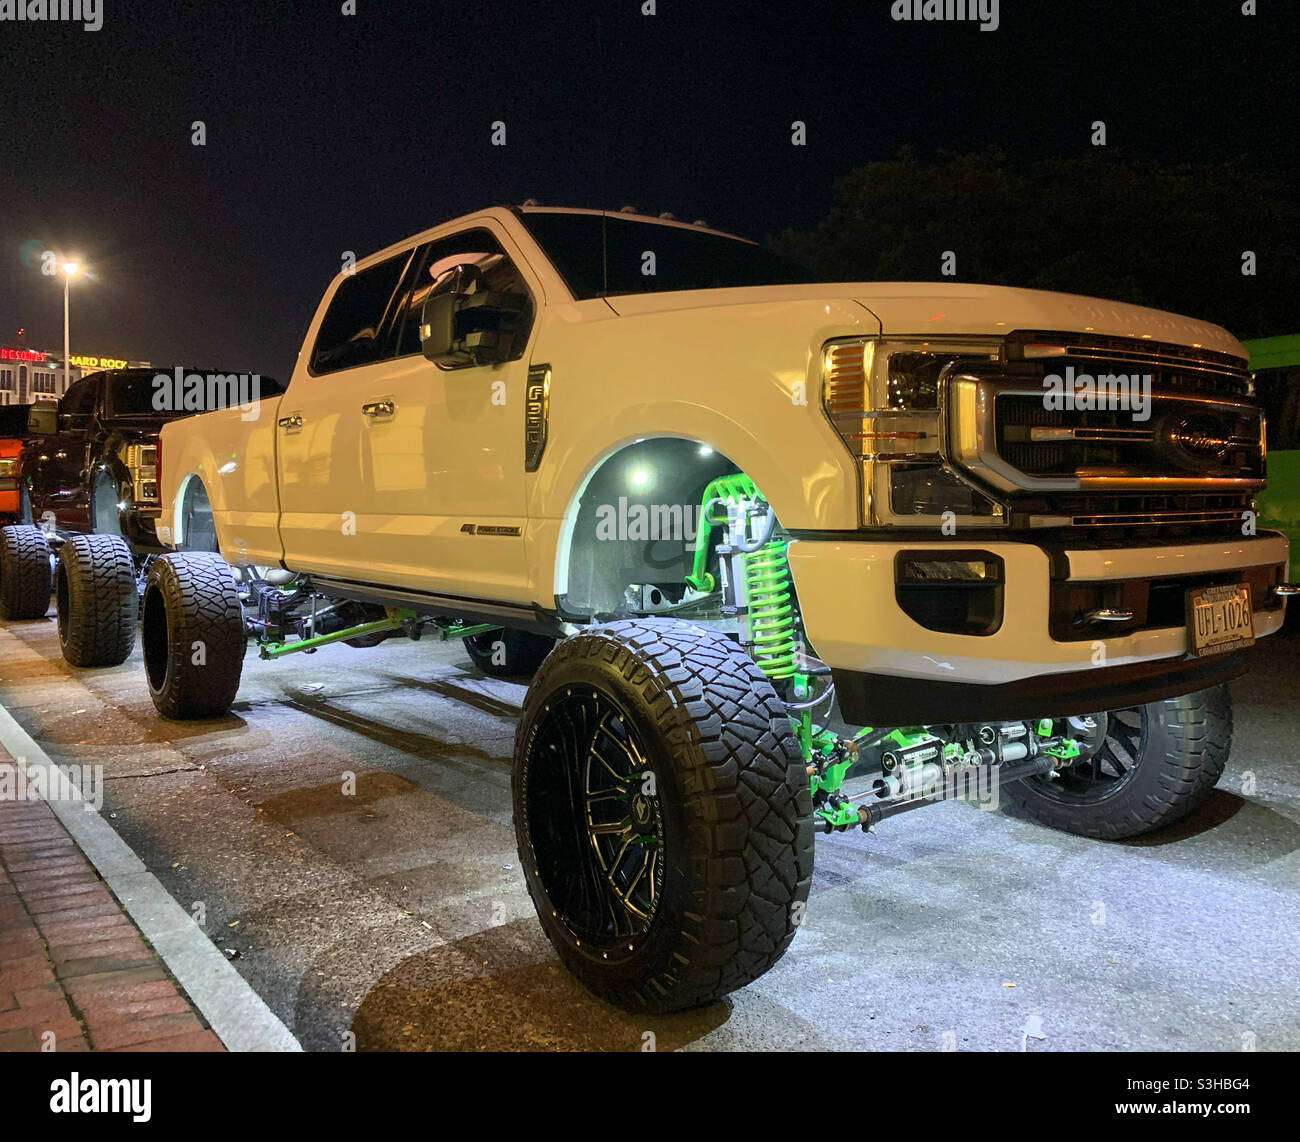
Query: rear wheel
x=192 y=635
x=1151 y=765
x=26 y=578
x=662 y=813
x=97 y=600
x=508 y=653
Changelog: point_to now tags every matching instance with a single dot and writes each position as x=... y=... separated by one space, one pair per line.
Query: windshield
x=599 y=255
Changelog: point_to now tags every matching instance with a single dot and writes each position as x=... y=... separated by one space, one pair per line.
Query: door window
x=353 y=330
x=478 y=247
x=79 y=401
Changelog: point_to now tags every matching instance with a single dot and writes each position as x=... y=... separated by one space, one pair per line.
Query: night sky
x=328 y=133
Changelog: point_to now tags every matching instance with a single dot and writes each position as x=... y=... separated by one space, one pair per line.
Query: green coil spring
x=771 y=612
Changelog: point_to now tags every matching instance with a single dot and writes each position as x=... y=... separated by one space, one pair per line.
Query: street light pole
x=69 y=268
x=67 y=281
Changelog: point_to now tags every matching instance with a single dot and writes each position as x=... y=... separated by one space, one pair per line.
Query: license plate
x=1219 y=619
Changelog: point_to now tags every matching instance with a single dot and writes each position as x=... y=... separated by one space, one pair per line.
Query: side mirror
x=43 y=418
x=459 y=327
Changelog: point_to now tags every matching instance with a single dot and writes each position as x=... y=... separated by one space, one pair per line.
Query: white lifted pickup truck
x=702 y=501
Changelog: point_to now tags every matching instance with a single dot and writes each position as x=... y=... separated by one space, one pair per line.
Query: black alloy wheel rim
x=1102 y=775
x=595 y=822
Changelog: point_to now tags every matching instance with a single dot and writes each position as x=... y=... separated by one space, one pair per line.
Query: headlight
x=882 y=396
x=933 y=490
x=8 y=465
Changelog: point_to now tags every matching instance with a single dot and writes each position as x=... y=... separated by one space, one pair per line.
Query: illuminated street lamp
x=69 y=268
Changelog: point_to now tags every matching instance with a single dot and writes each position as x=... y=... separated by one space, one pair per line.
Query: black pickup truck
x=88 y=500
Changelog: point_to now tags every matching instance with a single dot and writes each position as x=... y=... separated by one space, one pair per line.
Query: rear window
x=157 y=392
x=602 y=255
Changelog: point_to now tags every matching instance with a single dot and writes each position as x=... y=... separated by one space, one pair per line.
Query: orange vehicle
x=9 y=449
x=13 y=435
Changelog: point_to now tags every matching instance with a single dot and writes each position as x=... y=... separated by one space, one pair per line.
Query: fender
x=234 y=456
x=777 y=434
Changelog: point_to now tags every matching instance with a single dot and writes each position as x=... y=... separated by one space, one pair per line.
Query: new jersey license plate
x=1220 y=619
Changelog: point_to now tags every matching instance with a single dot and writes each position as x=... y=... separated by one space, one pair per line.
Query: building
x=28 y=374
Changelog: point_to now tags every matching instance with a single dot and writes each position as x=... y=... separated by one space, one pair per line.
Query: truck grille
x=1174 y=368
x=1182 y=438
x=1184 y=448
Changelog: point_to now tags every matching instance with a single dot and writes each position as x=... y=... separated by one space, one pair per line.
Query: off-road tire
x=732 y=804
x=192 y=634
x=520 y=652
x=97 y=600
x=26 y=579
x=1184 y=746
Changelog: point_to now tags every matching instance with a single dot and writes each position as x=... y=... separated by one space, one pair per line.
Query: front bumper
x=911 y=674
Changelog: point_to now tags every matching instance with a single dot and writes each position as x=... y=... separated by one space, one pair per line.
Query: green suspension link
x=725 y=488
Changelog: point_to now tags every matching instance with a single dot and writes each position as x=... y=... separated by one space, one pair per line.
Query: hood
x=948 y=308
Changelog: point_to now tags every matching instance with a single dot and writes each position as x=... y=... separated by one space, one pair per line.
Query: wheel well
x=634 y=521
x=195 y=529
x=105 y=487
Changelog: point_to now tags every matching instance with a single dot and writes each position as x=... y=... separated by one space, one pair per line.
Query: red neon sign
x=21 y=355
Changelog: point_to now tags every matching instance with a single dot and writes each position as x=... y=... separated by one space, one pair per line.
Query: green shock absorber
x=771 y=611
x=767 y=584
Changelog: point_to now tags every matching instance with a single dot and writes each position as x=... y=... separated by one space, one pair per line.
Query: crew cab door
x=393 y=470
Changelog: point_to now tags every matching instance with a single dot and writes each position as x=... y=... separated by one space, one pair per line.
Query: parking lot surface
x=399 y=913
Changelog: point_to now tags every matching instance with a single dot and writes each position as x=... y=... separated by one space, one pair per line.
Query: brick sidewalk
x=72 y=964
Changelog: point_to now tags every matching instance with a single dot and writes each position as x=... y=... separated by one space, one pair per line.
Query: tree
x=1136 y=230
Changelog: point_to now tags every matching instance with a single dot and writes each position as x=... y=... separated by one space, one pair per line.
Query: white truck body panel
x=399 y=500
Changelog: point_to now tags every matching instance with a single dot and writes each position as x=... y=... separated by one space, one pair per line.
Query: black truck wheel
x=97 y=600
x=662 y=813
x=192 y=634
x=25 y=575
x=508 y=653
x=1153 y=765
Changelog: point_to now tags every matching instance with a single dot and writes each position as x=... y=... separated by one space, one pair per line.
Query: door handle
x=294 y=421
x=379 y=408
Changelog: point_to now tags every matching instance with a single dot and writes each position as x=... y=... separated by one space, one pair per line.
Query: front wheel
x=1147 y=767
x=662 y=812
